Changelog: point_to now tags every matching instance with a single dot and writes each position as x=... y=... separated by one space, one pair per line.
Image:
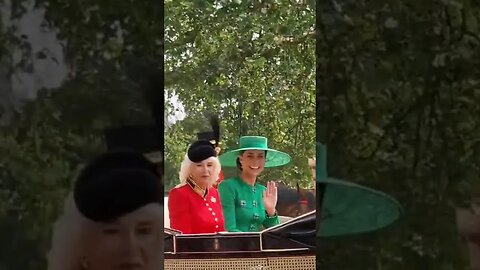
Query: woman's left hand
x=270 y=198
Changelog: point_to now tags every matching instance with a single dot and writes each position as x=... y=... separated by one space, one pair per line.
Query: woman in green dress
x=249 y=206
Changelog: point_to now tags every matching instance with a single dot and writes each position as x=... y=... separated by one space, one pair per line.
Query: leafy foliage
x=250 y=62
x=45 y=144
x=398 y=108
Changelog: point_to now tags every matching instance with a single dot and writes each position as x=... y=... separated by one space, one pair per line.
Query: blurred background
x=63 y=78
x=398 y=107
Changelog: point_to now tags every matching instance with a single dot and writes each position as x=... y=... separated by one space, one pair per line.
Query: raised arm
x=270 y=196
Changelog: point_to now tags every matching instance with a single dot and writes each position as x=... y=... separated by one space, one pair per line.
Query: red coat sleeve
x=179 y=211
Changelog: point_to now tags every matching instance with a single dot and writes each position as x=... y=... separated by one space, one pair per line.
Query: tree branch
x=396 y=121
x=418 y=141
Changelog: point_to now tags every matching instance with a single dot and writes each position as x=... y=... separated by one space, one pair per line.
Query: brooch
x=243 y=203
x=213 y=199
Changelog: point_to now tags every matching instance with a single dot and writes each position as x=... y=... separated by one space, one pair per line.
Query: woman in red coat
x=194 y=205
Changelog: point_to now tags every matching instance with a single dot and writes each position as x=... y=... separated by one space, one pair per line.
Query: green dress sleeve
x=227 y=198
x=270 y=221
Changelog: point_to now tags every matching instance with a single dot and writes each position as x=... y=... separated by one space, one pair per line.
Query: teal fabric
x=242 y=204
x=274 y=157
x=348 y=208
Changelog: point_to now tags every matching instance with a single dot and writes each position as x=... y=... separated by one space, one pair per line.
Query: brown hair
x=239 y=165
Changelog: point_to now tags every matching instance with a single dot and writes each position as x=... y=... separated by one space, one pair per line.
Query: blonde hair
x=67 y=245
x=186 y=167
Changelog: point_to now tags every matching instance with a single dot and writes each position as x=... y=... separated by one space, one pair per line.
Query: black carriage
x=289 y=245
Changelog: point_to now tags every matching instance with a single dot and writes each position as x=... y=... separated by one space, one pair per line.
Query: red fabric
x=190 y=213
x=220 y=179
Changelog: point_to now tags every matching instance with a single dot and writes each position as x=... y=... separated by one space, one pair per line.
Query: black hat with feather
x=146 y=139
x=115 y=184
x=212 y=136
x=128 y=176
x=139 y=138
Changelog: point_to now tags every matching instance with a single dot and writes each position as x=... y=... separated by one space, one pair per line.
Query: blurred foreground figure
x=143 y=139
x=113 y=218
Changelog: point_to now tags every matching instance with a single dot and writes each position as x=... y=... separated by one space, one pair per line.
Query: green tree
x=250 y=62
x=51 y=137
x=397 y=106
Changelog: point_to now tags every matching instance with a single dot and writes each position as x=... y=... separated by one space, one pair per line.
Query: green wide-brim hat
x=274 y=157
x=348 y=208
